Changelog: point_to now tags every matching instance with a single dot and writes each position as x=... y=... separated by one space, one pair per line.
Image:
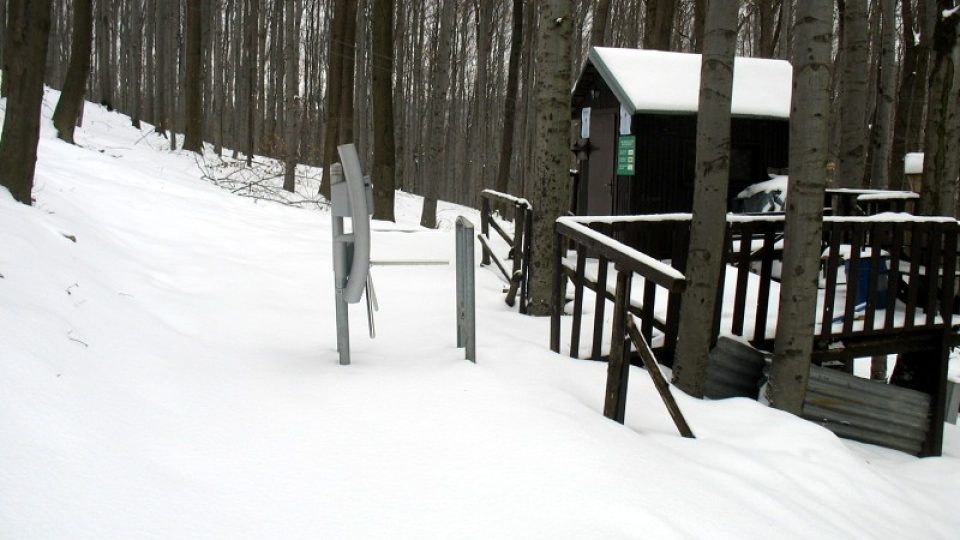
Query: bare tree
x=294 y=10
x=551 y=188
x=786 y=29
x=853 y=95
x=658 y=24
x=384 y=151
x=193 y=132
x=440 y=87
x=809 y=121
x=882 y=130
x=336 y=67
x=104 y=46
x=3 y=39
x=510 y=103
x=25 y=53
x=252 y=69
x=74 y=87
x=941 y=162
x=705 y=254
x=911 y=97
x=598 y=31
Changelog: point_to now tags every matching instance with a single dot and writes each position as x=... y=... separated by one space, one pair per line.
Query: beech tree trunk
x=809 y=125
x=335 y=67
x=3 y=39
x=598 y=31
x=941 y=162
x=510 y=103
x=291 y=58
x=784 y=43
x=440 y=86
x=658 y=25
x=253 y=18
x=880 y=135
x=705 y=255
x=853 y=96
x=104 y=45
x=74 y=87
x=699 y=22
x=25 y=53
x=193 y=128
x=911 y=97
x=551 y=170
x=384 y=152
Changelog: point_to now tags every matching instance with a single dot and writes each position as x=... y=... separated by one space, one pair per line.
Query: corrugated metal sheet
x=867 y=411
x=734 y=369
x=953 y=401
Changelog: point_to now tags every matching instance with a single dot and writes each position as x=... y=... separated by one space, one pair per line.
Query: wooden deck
x=888 y=286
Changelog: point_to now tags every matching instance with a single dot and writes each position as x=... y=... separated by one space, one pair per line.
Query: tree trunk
x=699 y=22
x=941 y=162
x=71 y=97
x=598 y=31
x=708 y=226
x=335 y=66
x=510 y=100
x=880 y=136
x=809 y=125
x=911 y=97
x=384 y=153
x=252 y=22
x=291 y=58
x=219 y=87
x=28 y=26
x=136 y=35
x=658 y=24
x=853 y=96
x=193 y=128
x=104 y=44
x=173 y=78
x=551 y=181
x=766 y=38
x=439 y=101
x=784 y=43
x=347 y=104
x=3 y=41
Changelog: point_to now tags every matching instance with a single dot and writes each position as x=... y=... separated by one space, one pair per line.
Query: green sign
x=626 y=155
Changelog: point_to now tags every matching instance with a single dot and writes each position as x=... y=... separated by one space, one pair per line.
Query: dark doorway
x=600 y=173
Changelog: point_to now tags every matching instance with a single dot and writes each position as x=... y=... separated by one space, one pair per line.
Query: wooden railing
x=593 y=238
x=881 y=277
x=887 y=285
x=518 y=242
x=869 y=202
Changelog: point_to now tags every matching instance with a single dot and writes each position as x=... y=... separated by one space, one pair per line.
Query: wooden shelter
x=637 y=111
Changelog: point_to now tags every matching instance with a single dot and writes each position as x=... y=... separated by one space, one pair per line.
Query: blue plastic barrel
x=863 y=281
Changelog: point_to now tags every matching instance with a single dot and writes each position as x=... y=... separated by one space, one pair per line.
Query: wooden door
x=601 y=170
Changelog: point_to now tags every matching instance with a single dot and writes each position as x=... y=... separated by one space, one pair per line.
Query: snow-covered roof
x=669 y=82
x=913 y=163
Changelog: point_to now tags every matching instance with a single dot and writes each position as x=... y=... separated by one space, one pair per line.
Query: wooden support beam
x=663 y=388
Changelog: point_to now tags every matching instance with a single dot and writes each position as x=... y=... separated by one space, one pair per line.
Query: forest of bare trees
x=291 y=78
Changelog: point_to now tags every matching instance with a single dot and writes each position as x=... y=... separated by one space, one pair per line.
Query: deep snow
x=168 y=370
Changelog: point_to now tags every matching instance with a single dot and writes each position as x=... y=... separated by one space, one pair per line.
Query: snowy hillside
x=168 y=370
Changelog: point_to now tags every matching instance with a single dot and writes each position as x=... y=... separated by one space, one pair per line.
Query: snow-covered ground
x=168 y=370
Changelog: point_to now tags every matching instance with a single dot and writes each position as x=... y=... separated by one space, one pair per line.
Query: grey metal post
x=340 y=272
x=466 y=290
